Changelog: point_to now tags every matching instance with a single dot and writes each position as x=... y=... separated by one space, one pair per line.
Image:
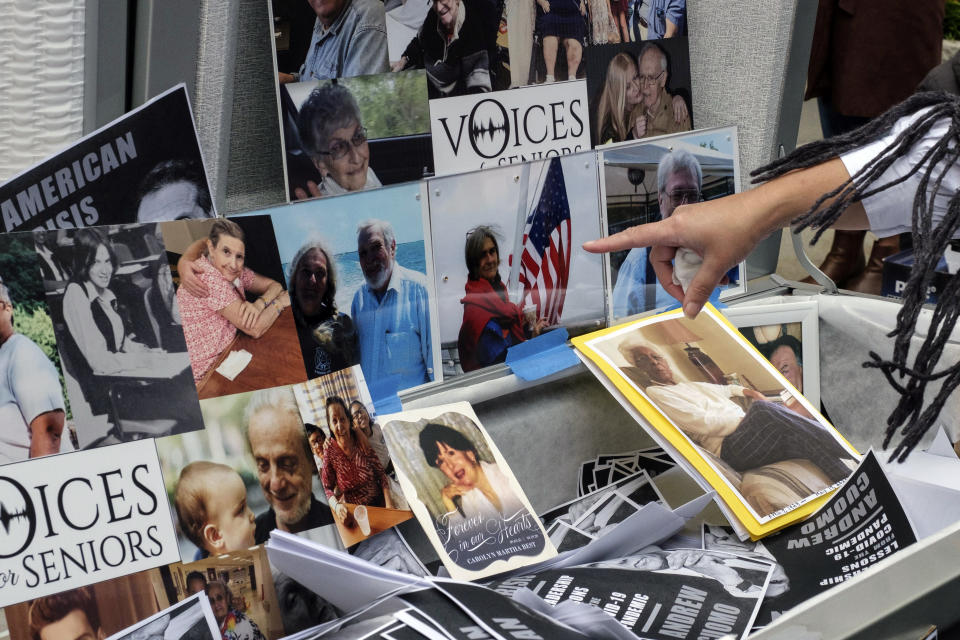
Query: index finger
x=642 y=235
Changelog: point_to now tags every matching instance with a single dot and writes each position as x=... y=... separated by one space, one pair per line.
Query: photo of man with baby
x=249 y=472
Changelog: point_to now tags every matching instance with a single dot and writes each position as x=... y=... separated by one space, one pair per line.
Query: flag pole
x=514 y=279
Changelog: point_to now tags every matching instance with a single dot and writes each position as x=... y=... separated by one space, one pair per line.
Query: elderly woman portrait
x=210 y=322
x=352 y=473
x=491 y=322
x=234 y=625
x=456 y=46
x=476 y=487
x=620 y=106
x=333 y=137
x=328 y=338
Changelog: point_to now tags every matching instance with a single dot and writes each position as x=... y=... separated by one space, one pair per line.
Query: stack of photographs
x=576 y=523
x=608 y=468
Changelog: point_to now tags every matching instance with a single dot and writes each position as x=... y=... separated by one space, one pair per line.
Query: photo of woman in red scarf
x=491 y=322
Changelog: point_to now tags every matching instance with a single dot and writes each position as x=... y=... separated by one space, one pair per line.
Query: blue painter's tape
x=542 y=356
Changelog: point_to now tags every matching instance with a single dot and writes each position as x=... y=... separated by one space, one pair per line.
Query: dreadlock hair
x=929 y=245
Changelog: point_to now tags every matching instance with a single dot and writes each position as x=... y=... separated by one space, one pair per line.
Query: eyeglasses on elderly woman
x=340 y=147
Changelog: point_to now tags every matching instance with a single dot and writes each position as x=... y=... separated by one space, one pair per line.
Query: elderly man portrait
x=391 y=312
x=284 y=464
x=349 y=39
x=654 y=116
x=31 y=401
x=679 y=181
x=764 y=433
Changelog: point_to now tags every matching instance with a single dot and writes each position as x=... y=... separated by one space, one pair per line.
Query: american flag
x=545 y=259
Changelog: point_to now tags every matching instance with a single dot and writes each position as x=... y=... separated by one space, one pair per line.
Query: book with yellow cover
x=723 y=412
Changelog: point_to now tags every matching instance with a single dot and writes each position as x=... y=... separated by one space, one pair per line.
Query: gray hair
x=675 y=161
x=318 y=243
x=277 y=398
x=384 y=227
x=652 y=46
x=327 y=109
x=280 y=399
x=5 y=293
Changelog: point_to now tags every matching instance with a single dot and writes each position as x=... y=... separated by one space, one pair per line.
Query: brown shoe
x=870 y=279
x=845 y=259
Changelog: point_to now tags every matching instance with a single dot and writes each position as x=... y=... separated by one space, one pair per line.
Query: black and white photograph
x=463 y=493
x=576 y=523
x=650 y=593
x=120 y=338
x=786 y=334
x=636 y=487
x=143 y=167
x=734 y=417
x=645 y=182
x=191 y=619
x=315 y=40
x=35 y=417
x=508 y=258
x=639 y=90
x=355 y=133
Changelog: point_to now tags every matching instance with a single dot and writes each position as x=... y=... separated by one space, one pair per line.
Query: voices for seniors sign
x=504 y=127
x=74 y=519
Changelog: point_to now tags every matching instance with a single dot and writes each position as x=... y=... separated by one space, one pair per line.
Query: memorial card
x=463 y=493
x=731 y=418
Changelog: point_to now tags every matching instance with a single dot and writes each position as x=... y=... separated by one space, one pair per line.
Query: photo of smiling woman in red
x=210 y=323
x=491 y=322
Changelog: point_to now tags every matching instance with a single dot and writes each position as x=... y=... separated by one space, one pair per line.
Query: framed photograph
x=788 y=336
x=359 y=273
x=643 y=182
x=521 y=229
x=734 y=419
